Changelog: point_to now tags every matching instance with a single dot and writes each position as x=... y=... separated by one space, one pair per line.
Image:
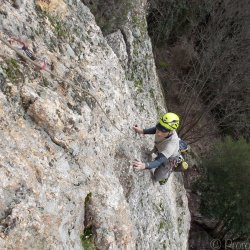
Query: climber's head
x=168 y=123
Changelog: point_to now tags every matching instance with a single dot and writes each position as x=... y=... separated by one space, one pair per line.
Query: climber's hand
x=137 y=129
x=139 y=165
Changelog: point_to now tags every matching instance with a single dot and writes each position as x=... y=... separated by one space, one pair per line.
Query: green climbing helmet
x=170 y=121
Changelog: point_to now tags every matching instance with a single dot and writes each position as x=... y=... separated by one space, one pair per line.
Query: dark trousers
x=163 y=172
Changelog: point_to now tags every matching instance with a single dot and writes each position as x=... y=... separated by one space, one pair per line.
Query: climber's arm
x=158 y=161
x=141 y=131
x=150 y=131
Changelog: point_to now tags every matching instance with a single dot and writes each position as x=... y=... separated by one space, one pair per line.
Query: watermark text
x=229 y=244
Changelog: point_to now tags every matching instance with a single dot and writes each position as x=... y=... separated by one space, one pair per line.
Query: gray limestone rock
x=64 y=167
x=118 y=45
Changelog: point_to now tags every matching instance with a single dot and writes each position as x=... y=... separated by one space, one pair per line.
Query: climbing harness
x=178 y=164
x=31 y=58
x=183 y=147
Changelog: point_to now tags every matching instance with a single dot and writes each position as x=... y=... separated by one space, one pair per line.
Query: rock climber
x=166 y=147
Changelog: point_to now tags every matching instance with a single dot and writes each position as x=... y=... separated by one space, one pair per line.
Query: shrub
x=225 y=196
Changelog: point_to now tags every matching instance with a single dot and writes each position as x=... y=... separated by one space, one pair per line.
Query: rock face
x=64 y=167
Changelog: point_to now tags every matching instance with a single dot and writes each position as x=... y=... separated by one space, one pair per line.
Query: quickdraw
x=28 y=52
x=178 y=163
x=43 y=68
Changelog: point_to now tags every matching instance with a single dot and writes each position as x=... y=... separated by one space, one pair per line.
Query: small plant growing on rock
x=11 y=69
x=87 y=236
x=86 y=239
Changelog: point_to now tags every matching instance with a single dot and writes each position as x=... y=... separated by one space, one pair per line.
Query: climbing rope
x=31 y=59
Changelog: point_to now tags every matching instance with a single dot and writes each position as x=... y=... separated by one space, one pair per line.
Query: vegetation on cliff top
x=225 y=189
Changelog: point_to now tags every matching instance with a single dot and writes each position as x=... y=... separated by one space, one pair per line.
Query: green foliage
x=45 y=82
x=163 y=65
x=86 y=239
x=88 y=199
x=140 y=23
x=138 y=85
x=87 y=236
x=58 y=25
x=164 y=245
x=12 y=70
x=225 y=192
x=163 y=226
